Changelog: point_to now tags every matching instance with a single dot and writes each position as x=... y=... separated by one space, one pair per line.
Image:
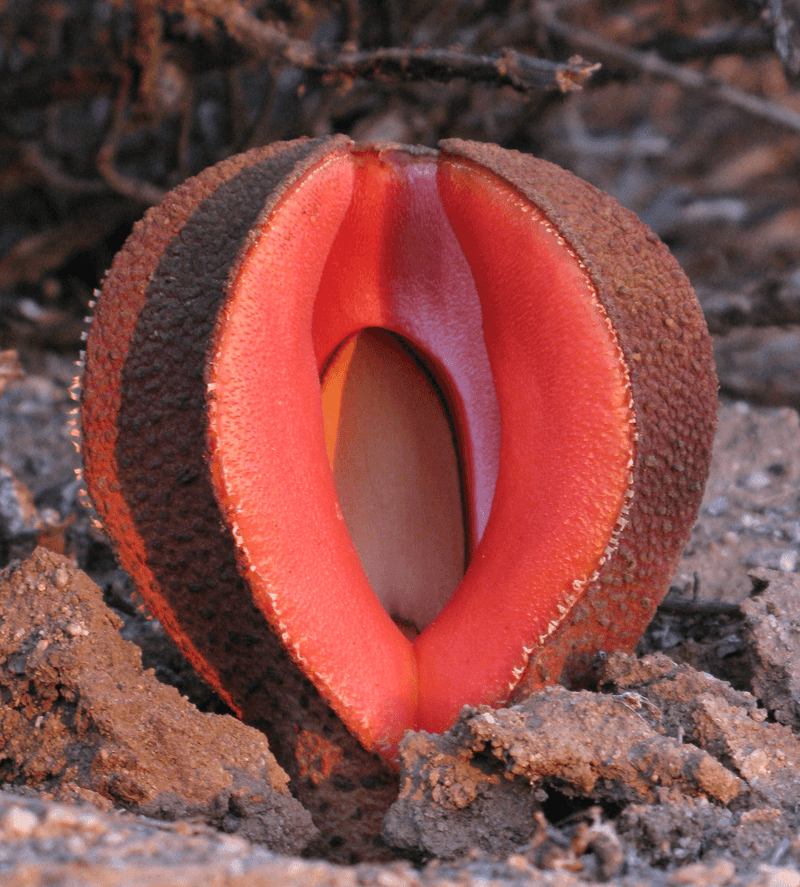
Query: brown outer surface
x=667 y=349
x=144 y=427
x=145 y=431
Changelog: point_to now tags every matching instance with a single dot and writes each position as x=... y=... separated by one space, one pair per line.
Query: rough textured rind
x=145 y=468
x=144 y=418
x=667 y=349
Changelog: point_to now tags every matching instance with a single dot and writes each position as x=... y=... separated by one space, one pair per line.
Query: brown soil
x=679 y=770
x=81 y=718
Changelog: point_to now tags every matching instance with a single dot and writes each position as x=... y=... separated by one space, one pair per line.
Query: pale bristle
x=75 y=430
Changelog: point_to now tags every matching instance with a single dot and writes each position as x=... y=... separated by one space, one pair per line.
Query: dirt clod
x=686 y=764
x=483 y=779
x=772 y=627
x=724 y=722
x=81 y=719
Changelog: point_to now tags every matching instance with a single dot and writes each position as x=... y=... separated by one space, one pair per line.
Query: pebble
x=782 y=877
x=783 y=559
x=714 y=875
x=756 y=480
x=75 y=629
x=750 y=521
x=19 y=822
x=718 y=506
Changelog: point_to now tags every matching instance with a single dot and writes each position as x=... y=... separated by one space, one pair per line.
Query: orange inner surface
x=363 y=497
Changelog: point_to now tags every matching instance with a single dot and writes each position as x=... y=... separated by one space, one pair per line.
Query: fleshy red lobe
x=466 y=269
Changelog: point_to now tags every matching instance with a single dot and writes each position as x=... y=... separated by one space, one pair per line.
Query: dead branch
x=690 y=607
x=783 y=16
x=260 y=38
x=44 y=252
x=48 y=170
x=107 y=155
x=651 y=63
x=505 y=68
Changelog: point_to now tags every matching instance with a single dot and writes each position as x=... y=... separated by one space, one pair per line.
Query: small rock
x=756 y=480
x=717 y=506
x=783 y=559
x=18 y=822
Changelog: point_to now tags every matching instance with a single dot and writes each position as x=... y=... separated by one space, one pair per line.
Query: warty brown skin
x=144 y=421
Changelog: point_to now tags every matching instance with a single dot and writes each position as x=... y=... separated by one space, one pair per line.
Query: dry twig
x=650 y=63
x=506 y=68
x=107 y=155
x=690 y=607
x=49 y=170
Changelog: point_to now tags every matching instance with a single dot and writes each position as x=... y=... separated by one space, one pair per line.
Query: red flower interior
x=430 y=297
